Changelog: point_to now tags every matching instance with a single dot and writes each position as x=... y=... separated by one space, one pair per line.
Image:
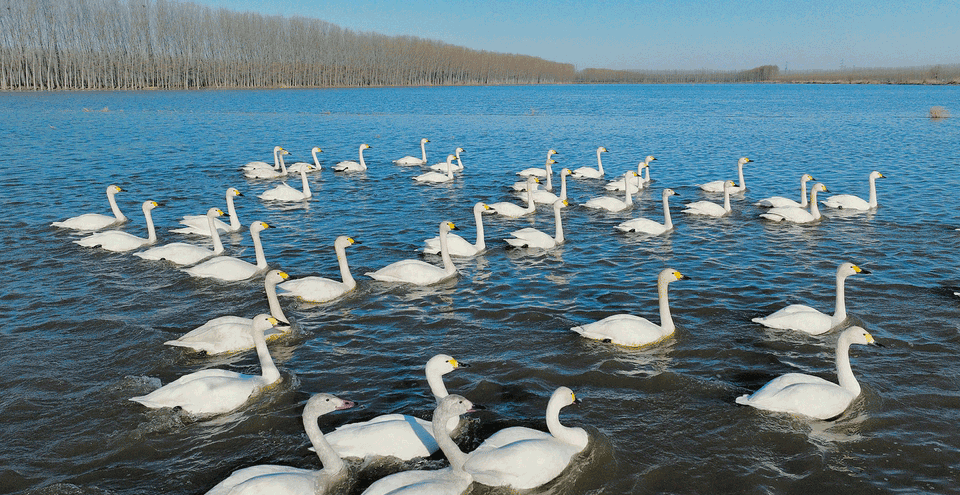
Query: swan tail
x=743 y=400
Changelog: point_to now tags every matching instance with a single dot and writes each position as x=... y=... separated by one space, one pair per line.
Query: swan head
x=424 y=141
x=551 y=162
x=806 y=178
x=344 y=241
x=316 y=149
x=560 y=203
x=447 y=227
x=566 y=171
x=320 y=404
x=263 y=322
x=743 y=160
x=259 y=226
x=630 y=173
x=552 y=151
x=283 y=151
x=877 y=175
x=113 y=189
x=563 y=397
x=443 y=364
x=670 y=275
x=669 y=192
x=820 y=187
x=214 y=212
x=648 y=159
x=233 y=191
x=451 y=158
x=847 y=269
x=454 y=405
x=728 y=184
x=459 y=150
x=365 y=146
x=149 y=205
x=276 y=276
x=482 y=208
x=601 y=150
x=857 y=335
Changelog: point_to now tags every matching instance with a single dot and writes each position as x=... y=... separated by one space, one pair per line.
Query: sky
x=662 y=34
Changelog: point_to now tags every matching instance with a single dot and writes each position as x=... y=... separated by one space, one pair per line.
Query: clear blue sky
x=663 y=34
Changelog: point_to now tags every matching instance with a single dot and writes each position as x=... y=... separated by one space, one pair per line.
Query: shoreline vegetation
x=48 y=45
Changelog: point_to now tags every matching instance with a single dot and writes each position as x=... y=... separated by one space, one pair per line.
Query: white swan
x=448 y=481
x=200 y=225
x=717 y=185
x=531 y=462
x=419 y=272
x=261 y=165
x=232 y=333
x=399 y=435
x=647 y=226
x=279 y=170
x=320 y=289
x=533 y=238
x=780 y=201
x=540 y=172
x=513 y=211
x=412 y=160
x=812 y=396
x=119 y=241
x=636 y=183
x=310 y=167
x=634 y=331
x=181 y=253
x=591 y=173
x=215 y=391
x=458 y=246
x=284 y=192
x=436 y=177
x=851 y=202
x=352 y=166
x=612 y=204
x=522 y=185
x=442 y=166
x=711 y=209
x=798 y=215
x=96 y=221
x=547 y=197
x=808 y=320
x=286 y=480
x=232 y=269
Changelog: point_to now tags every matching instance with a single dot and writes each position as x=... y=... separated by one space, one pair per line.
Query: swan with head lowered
x=182 y=253
x=808 y=395
x=436 y=177
x=711 y=209
x=96 y=221
x=320 y=289
x=612 y=204
x=284 y=192
x=798 y=215
x=808 y=320
x=540 y=172
x=442 y=166
x=458 y=246
x=651 y=227
x=231 y=269
x=419 y=272
x=634 y=331
x=279 y=169
x=533 y=238
x=851 y=202
x=120 y=241
x=637 y=182
x=412 y=160
x=717 y=185
x=200 y=225
x=780 y=201
x=310 y=167
x=591 y=173
x=352 y=166
x=286 y=480
x=513 y=211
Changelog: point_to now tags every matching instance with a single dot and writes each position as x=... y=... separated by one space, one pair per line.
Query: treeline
x=936 y=74
x=759 y=74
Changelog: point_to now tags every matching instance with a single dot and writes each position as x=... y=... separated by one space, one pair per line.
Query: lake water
x=83 y=330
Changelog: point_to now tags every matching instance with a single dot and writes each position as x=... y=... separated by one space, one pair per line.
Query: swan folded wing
x=536 y=172
x=440 y=481
x=210 y=391
x=586 y=173
x=313 y=289
x=623 y=329
x=348 y=166
x=531 y=237
x=400 y=436
x=265 y=479
x=227 y=336
x=801 y=318
x=641 y=225
x=200 y=224
x=179 y=253
x=705 y=208
x=521 y=465
x=114 y=240
x=508 y=209
x=88 y=221
x=606 y=203
x=793 y=215
x=799 y=393
x=510 y=435
x=714 y=186
x=411 y=271
x=456 y=245
x=777 y=202
x=847 y=202
x=283 y=192
x=224 y=268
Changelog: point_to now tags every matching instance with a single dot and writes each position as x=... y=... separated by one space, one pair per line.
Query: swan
x=547 y=197
x=532 y=461
x=279 y=170
x=215 y=391
x=119 y=241
x=540 y=172
x=808 y=395
x=648 y=226
x=442 y=166
x=286 y=480
x=851 y=202
x=412 y=160
x=261 y=165
x=315 y=166
x=319 y=289
x=798 y=215
x=409 y=436
x=591 y=173
x=232 y=269
x=780 y=201
x=634 y=331
x=448 y=481
x=419 y=272
x=513 y=211
x=96 y=221
x=522 y=185
x=352 y=166
x=232 y=333
x=712 y=209
x=613 y=204
x=808 y=320
x=199 y=225
x=458 y=246
x=433 y=176
x=533 y=238
x=636 y=183
x=284 y=192
x=181 y=253
x=717 y=185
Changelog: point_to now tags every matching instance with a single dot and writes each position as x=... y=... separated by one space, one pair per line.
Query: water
x=82 y=330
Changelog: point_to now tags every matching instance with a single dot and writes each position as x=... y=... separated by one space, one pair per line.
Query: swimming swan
x=458 y=246
x=636 y=183
x=284 y=192
x=232 y=269
x=286 y=480
x=310 y=167
x=96 y=221
x=521 y=186
x=215 y=391
x=119 y=241
x=412 y=160
x=613 y=204
x=352 y=166
x=780 y=201
x=547 y=197
x=717 y=185
x=711 y=209
x=591 y=173
x=181 y=253
x=851 y=202
x=434 y=176
x=540 y=172
x=533 y=238
x=419 y=272
x=647 y=226
x=261 y=165
x=634 y=331
x=513 y=211
x=806 y=319
x=199 y=224
x=278 y=170
x=320 y=289
x=442 y=166
x=798 y=215
x=812 y=396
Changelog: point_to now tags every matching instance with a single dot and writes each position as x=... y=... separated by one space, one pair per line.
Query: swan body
x=647 y=226
x=257 y=165
x=320 y=289
x=614 y=204
x=636 y=183
x=798 y=215
x=308 y=167
x=352 y=166
x=533 y=238
x=711 y=209
x=279 y=169
x=286 y=480
x=181 y=253
x=96 y=221
x=540 y=172
x=442 y=166
x=284 y=192
x=232 y=269
x=634 y=331
x=119 y=241
x=780 y=201
x=547 y=197
x=412 y=160
x=200 y=225
x=458 y=246
x=215 y=391
x=435 y=177
x=513 y=211
x=717 y=185
x=808 y=395
x=521 y=186
x=591 y=173
x=851 y=202
x=419 y=272
x=808 y=320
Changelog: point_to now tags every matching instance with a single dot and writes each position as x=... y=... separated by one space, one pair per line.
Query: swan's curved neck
x=283 y=164
x=803 y=192
x=563 y=186
x=258 y=248
x=276 y=310
x=448 y=265
x=814 y=209
x=481 y=244
x=151 y=230
x=600 y=163
x=450 y=448
x=435 y=381
x=113 y=206
x=276 y=159
x=450 y=168
x=316 y=160
x=345 y=274
x=332 y=463
x=873 y=192
x=214 y=234
x=742 y=186
x=423 y=151
x=363 y=164
x=566 y=434
x=232 y=211
x=626 y=190
x=844 y=372
x=667 y=221
x=646 y=173
x=459 y=161
x=269 y=371
x=840 y=312
x=726 y=199
x=666 y=320
x=306 y=184
x=549 y=171
x=530 y=205
x=559 y=232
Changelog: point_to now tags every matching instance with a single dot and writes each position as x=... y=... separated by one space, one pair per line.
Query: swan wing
x=544 y=197
x=532 y=238
x=349 y=166
x=179 y=253
x=777 y=202
x=400 y=436
x=846 y=202
x=707 y=208
x=534 y=171
x=268 y=478
x=437 y=482
x=226 y=336
x=509 y=435
x=88 y=221
x=644 y=225
x=262 y=173
x=623 y=329
x=800 y=318
x=799 y=393
x=198 y=224
x=586 y=173
x=204 y=392
x=113 y=240
x=313 y=289
x=792 y=215
x=508 y=209
x=410 y=271
x=606 y=203
x=224 y=268
x=521 y=465
x=283 y=192
x=432 y=177
x=458 y=246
